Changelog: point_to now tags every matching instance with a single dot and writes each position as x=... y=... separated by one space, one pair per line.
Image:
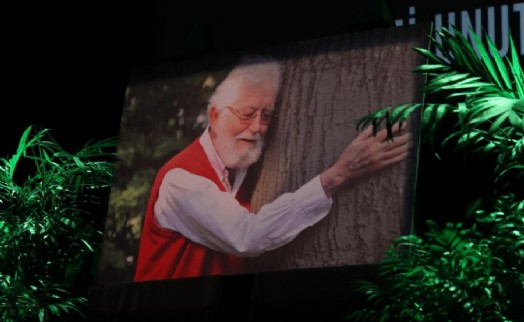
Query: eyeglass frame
x=245 y=119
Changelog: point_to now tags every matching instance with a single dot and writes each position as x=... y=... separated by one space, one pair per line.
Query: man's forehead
x=266 y=90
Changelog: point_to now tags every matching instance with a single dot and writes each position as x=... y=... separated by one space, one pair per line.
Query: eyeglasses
x=246 y=115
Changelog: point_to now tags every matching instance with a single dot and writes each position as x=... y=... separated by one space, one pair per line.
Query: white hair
x=252 y=71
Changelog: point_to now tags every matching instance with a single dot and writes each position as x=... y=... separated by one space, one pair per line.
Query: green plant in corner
x=462 y=272
x=50 y=234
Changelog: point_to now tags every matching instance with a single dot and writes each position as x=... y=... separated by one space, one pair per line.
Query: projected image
x=252 y=162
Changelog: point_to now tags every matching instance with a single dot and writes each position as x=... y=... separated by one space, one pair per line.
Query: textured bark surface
x=328 y=85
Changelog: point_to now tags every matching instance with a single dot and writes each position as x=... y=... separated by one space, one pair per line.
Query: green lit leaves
x=19 y=152
x=496 y=112
x=451 y=273
x=506 y=226
x=459 y=272
x=489 y=90
x=492 y=62
x=38 y=302
x=480 y=103
x=388 y=117
x=48 y=229
x=516 y=70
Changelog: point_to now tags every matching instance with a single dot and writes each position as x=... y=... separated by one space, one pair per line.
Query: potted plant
x=50 y=228
x=471 y=269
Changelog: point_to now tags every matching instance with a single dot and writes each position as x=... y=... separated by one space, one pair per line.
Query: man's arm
x=196 y=208
x=365 y=155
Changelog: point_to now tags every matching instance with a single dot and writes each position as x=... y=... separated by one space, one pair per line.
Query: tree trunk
x=328 y=84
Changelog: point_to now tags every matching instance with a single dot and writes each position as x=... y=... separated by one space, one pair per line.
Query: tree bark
x=329 y=84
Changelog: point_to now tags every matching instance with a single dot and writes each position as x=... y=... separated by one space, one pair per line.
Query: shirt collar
x=218 y=164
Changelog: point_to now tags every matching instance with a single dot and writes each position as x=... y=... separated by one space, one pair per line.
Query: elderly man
x=198 y=221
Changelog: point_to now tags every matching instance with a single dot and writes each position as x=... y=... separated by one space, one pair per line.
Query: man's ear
x=213 y=115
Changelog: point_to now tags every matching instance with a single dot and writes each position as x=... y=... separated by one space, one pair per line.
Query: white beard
x=225 y=147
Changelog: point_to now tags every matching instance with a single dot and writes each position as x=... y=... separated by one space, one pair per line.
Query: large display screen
x=171 y=212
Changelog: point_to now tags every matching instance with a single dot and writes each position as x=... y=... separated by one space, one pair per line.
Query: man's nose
x=255 y=125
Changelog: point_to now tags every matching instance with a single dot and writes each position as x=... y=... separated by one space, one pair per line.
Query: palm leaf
x=485 y=109
x=477 y=144
x=495 y=68
x=516 y=70
x=388 y=116
x=432 y=69
x=461 y=50
x=430 y=56
x=22 y=145
x=483 y=81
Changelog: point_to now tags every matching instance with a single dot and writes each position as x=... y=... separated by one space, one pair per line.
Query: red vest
x=165 y=254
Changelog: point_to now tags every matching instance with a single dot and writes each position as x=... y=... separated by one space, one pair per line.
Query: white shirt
x=195 y=207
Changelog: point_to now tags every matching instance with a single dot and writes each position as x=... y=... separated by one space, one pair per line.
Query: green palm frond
x=482 y=80
x=474 y=87
x=390 y=115
x=516 y=70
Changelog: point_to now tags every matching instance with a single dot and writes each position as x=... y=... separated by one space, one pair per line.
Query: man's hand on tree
x=365 y=155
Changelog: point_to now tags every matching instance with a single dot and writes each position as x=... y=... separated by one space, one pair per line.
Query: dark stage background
x=65 y=68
